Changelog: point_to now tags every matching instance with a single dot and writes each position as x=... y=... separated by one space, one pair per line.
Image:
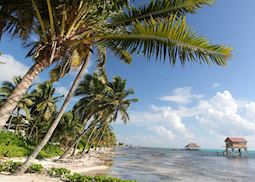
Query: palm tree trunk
x=10 y=122
x=17 y=94
x=46 y=138
x=73 y=145
x=75 y=148
x=87 y=143
x=32 y=129
x=17 y=125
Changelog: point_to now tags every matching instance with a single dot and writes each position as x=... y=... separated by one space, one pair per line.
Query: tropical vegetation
x=68 y=31
x=65 y=174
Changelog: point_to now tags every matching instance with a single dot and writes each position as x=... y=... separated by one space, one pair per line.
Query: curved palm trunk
x=17 y=94
x=73 y=145
x=87 y=143
x=17 y=125
x=75 y=148
x=10 y=121
x=46 y=138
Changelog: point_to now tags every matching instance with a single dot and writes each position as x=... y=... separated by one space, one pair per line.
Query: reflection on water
x=152 y=165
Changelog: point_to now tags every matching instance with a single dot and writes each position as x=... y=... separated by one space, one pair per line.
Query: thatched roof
x=192 y=145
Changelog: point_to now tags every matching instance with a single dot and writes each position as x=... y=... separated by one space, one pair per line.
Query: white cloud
x=163 y=132
x=11 y=68
x=62 y=90
x=222 y=115
x=208 y=121
x=182 y=95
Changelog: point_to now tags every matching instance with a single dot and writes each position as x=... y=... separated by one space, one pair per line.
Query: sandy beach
x=92 y=161
x=28 y=178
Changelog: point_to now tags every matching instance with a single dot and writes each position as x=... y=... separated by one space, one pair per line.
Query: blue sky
x=178 y=104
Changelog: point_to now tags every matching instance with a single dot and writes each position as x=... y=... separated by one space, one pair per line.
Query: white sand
x=90 y=162
x=28 y=178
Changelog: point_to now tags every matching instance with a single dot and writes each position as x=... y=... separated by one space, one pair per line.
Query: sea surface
x=167 y=165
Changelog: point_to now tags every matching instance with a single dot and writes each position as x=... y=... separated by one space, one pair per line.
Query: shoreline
x=95 y=160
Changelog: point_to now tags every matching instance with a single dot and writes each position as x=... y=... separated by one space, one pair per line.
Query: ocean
x=167 y=165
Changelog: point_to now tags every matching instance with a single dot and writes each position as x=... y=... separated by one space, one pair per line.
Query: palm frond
x=169 y=36
x=159 y=8
x=123 y=55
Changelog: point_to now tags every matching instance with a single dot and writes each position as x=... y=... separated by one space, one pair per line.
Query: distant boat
x=192 y=146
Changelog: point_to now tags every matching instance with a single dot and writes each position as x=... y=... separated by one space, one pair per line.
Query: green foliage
x=169 y=37
x=35 y=168
x=12 y=145
x=59 y=172
x=159 y=8
x=80 y=178
x=50 y=151
x=9 y=166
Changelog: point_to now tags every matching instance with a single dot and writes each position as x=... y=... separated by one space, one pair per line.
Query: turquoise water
x=166 y=165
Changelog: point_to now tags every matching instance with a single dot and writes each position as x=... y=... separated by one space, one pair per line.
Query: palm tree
x=115 y=103
x=24 y=103
x=92 y=90
x=157 y=29
x=44 y=105
x=68 y=128
x=103 y=101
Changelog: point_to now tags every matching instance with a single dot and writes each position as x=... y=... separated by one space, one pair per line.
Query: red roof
x=235 y=139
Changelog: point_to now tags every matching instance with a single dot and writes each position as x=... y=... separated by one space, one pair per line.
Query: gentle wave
x=166 y=165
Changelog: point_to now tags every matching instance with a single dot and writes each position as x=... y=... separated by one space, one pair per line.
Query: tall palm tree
x=69 y=126
x=115 y=105
x=157 y=29
x=92 y=90
x=44 y=105
x=103 y=101
x=24 y=103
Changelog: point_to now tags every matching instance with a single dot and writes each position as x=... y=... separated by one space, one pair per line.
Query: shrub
x=59 y=172
x=12 y=145
x=50 y=151
x=79 y=178
x=9 y=166
x=35 y=168
x=110 y=179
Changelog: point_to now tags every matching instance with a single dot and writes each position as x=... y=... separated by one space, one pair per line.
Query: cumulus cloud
x=208 y=121
x=11 y=68
x=163 y=132
x=223 y=115
x=182 y=95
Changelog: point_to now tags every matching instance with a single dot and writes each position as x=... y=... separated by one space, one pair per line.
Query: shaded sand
x=28 y=178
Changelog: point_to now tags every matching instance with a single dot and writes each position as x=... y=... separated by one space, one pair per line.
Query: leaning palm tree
x=44 y=104
x=67 y=30
x=157 y=29
x=68 y=127
x=24 y=104
x=103 y=101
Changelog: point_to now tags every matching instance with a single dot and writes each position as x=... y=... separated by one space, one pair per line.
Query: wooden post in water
x=238 y=146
